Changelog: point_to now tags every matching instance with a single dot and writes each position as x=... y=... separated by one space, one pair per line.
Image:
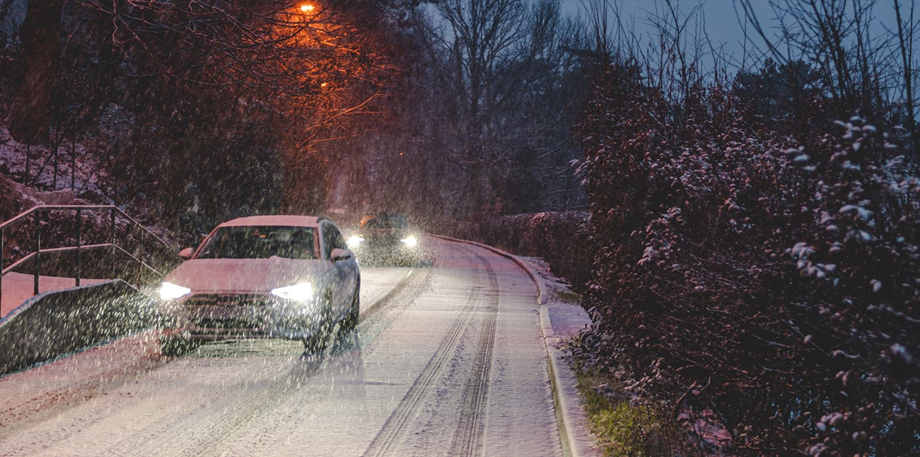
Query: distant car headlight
x=354 y=241
x=170 y=291
x=297 y=292
x=410 y=241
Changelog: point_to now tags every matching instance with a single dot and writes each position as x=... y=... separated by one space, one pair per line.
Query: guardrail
x=35 y=216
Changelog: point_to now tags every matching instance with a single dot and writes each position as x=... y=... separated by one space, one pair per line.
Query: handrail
x=31 y=210
x=88 y=246
x=74 y=248
x=24 y=215
x=36 y=254
x=144 y=264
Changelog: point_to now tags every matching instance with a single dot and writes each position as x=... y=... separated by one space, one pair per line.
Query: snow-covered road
x=447 y=360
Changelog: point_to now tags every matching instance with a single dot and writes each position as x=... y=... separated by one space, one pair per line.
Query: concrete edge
x=29 y=301
x=67 y=355
x=573 y=430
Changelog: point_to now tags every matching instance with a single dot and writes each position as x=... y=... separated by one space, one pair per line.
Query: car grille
x=383 y=238
x=235 y=324
x=247 y=300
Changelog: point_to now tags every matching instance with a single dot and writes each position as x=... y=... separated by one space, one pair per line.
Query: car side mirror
x=340 y=254
x=186 y=253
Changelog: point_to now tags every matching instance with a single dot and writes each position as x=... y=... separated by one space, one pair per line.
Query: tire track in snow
x=225 y=414
x=374 y=322
x=393 y=430
x=388 y=308
x=381 y=296
x=223 y=421
x=469 y=437
x=19 y=416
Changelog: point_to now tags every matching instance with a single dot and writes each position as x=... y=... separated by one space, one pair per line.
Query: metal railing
x=35 y=215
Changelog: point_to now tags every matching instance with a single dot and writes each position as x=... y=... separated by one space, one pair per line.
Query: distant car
x=386 y=238
x=287 y=277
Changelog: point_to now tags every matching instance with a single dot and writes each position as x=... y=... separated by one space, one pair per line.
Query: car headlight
x=410 y=241
x=170 y=291
x=354 y=241
x=297 y=292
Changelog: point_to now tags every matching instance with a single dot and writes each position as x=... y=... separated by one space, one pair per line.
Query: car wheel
x=176 y=345
x=319 y=339
x=350 y=322
x=315 y=343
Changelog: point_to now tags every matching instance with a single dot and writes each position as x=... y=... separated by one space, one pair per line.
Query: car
x=290 y=277
x=386 y=238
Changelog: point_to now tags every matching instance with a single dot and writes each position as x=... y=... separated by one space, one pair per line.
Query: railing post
x=38 y=248
x=112 y=213
x=79 y=243
x=112 y=240
x=143 y=247
x=2 y=243
x=73 y=160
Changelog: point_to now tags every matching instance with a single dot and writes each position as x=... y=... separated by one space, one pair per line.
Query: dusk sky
x=722 y=18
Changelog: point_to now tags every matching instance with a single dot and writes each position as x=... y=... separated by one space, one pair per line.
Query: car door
x=350 y=269
x=338 y=281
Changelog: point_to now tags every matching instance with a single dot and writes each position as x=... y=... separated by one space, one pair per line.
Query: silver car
x=287 y=277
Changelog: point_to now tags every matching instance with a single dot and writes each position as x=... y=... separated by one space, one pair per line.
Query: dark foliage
x=197 y=112
x=10 y=203
x=738 y=272
x=563 y=239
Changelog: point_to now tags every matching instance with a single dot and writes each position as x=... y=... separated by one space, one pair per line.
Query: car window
x=386 y=221
x=339 y=239
x=259 y=243
x=329 y=239
x=332 y=239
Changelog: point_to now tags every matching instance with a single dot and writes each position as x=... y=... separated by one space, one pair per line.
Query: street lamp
x=306 y=7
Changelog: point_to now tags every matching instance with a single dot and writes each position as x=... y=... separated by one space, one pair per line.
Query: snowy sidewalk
x=18 y=287
x=562 y=318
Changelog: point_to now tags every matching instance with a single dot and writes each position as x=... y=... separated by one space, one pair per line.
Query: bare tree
x=906 y=29
x=833 y=36
x=487 y=57
x=32 y=111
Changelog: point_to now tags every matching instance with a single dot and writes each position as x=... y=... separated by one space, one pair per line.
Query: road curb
x=570 y=413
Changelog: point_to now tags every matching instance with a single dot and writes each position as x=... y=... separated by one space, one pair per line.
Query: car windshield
x=259 y=243
x=392 y=221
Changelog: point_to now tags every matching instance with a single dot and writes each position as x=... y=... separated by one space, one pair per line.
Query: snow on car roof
x=274 y=220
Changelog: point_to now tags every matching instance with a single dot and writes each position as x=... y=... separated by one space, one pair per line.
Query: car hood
x=246 y=275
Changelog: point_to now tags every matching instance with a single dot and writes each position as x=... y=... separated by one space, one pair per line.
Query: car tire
x=176 y=345
x=318 y=341
x=350 y=322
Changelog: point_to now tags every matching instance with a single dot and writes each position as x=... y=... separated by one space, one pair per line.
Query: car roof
x=274 y=220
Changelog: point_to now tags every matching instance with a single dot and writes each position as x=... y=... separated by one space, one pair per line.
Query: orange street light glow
x=306 y=8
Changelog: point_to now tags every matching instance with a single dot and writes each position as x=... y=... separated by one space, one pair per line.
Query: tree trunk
x=39 y=54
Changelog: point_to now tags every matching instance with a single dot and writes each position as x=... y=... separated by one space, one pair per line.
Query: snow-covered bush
x=9 y=199
x=560 y=238
x=773 y=282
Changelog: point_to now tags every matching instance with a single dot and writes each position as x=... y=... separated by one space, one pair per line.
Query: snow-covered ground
x=446 y=360
x=90 y=173
x=18 y=287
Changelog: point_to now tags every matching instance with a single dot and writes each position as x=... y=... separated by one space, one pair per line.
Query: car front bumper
x=220 y=316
